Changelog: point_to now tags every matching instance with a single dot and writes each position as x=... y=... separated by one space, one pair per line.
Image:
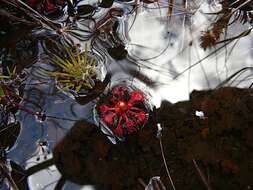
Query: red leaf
x=130 y=124
x=141 y=117
x=108 y=118
x=136 y=96
x=104 y=109
x=118 y=131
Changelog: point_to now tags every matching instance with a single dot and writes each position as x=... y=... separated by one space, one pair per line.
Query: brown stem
x=202 y=176
x=4 y=171
x=142 y=182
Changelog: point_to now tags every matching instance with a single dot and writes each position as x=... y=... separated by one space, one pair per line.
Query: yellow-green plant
x=78 y=70
x=2 y=93
x=11 y=74
x=7 y=79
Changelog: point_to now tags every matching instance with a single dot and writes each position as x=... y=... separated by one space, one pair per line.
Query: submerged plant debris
x=126 y=94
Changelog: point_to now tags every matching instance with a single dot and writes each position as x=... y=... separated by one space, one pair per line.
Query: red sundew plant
x=123 y=111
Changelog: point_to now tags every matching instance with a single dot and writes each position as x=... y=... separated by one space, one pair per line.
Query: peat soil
x=209 y=152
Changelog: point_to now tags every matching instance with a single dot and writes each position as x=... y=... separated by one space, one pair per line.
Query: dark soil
x=221 y=144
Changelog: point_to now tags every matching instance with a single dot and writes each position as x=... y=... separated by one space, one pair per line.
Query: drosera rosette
x=123 y=110
x=78 y=71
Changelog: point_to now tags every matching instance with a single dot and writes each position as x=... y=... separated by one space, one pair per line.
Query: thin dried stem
x=142 y=182
x=202 y=176
x=4 y=171
x=165 y=164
